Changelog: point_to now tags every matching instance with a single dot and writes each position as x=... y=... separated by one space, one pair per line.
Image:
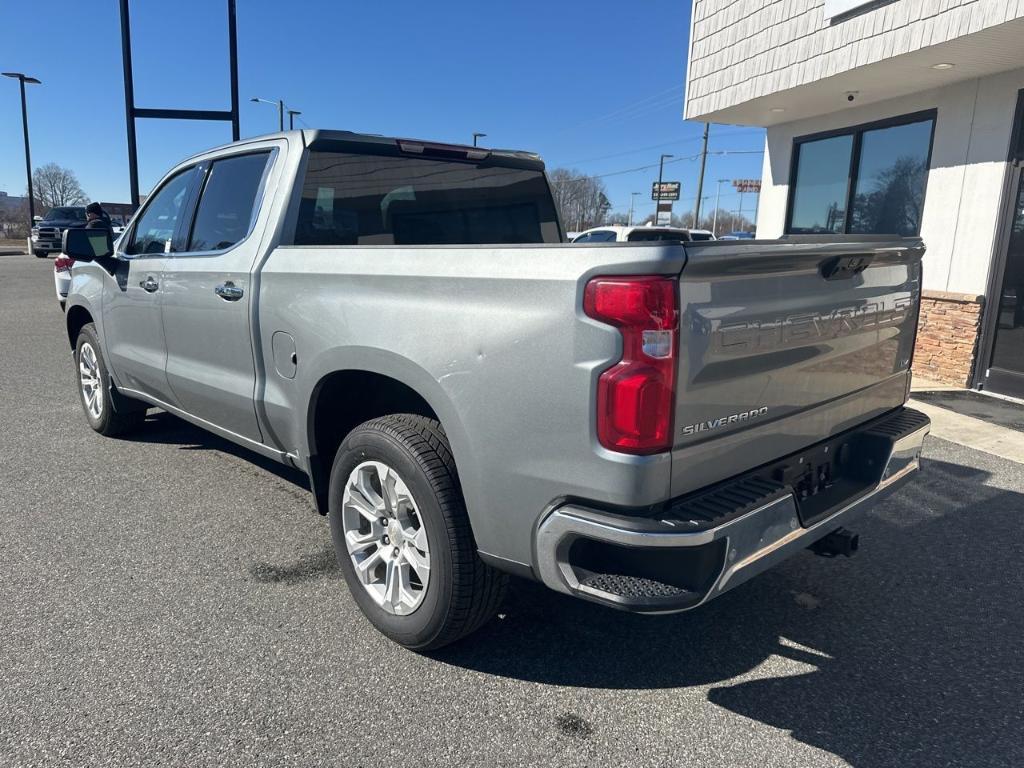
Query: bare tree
x=581 y=199
x=55 y=186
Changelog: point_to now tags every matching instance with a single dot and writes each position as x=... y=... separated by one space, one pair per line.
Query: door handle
x=149 y=285
x=229 y=291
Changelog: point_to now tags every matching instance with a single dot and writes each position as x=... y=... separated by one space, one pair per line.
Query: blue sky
x=595 y=86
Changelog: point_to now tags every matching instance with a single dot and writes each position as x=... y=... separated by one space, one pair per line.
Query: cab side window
x=227 y=203
x=156 y=226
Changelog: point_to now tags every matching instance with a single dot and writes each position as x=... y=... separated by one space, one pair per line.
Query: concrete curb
x=973 y=433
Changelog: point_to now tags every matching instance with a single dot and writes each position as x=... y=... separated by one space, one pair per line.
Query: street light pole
x=632 y=198
x=22 y=79
x=291 y=118
x=657 y=202
x=280 y=109
x=478 y=136
x=718 y=196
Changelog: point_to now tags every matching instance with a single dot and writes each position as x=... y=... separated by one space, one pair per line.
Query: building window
x=819 y=192
x=869 y=179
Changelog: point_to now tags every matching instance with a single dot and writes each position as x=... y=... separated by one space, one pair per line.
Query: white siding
x=966 y=179
x=745 y=49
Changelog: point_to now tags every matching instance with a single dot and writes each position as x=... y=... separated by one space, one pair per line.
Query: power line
x=720 y=152
x=674 y=142
x=616 y=112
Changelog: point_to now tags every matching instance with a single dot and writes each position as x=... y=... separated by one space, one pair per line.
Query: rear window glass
x=360 y=199
x=648 y=235
x=699 y=236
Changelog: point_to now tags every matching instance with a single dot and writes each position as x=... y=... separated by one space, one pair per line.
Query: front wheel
x=94 y=389
x=402 y=536
x=40 y=254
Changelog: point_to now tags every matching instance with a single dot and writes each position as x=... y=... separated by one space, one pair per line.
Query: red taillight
x=635 y=397
x=62 y=264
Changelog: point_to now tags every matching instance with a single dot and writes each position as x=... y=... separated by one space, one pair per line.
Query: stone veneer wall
x=947 y=337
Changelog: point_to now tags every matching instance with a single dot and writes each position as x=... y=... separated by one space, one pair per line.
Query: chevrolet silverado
x=643 y=425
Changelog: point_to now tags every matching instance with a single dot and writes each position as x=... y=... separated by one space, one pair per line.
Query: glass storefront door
x=1006 y=369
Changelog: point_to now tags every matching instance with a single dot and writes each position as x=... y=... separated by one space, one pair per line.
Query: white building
x=885 y=116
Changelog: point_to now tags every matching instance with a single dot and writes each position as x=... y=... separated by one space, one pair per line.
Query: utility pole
x=657 y=202
x=718 y=196
x=22 y=79
x=700 y=177
x=632 y=199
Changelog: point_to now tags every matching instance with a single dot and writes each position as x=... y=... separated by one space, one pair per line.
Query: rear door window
x=227 y=205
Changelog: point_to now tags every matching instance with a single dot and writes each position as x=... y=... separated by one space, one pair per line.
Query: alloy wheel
x=386 y=538
x=90 y=380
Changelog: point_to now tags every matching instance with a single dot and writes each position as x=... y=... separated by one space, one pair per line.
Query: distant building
x=13 y=216
x=124 y=210
x=890 y=116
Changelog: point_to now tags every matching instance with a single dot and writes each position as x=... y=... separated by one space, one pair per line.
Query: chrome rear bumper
x=716 y=558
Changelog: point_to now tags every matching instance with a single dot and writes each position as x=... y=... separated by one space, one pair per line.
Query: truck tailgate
x=785 y=343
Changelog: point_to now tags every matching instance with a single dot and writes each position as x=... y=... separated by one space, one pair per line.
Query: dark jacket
x=101 y=223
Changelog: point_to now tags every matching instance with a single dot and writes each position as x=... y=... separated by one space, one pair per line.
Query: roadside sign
x=746 y=185
x=669 y=190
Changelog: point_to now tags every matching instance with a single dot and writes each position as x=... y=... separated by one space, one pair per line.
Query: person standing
x=97 y=218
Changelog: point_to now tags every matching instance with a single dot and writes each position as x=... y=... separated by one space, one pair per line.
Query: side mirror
x=87 y=244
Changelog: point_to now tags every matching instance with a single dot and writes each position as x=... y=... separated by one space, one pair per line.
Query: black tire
x=462 y=592
x=40 y=254
x=105 y=419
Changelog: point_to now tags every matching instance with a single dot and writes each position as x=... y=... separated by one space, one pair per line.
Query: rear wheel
x=95 y=393
x=402 y=536
x=40 y=254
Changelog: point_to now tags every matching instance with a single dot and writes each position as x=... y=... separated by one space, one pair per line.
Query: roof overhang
x=987 y=52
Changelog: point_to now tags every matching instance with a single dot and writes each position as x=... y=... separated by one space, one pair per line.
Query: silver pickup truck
x=641 y=425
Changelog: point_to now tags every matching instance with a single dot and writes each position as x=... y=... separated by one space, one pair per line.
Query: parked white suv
x=620 y=234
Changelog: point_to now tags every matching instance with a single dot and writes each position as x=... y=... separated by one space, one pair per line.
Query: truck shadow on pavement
x=163 y=428
x=911 y=654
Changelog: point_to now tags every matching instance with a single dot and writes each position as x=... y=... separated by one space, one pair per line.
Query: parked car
x=644 y=425
x=642 y=234
x=738 y=236
x=47 y=233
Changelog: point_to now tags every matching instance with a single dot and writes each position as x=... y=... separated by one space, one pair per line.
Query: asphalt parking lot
x=172 y=600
